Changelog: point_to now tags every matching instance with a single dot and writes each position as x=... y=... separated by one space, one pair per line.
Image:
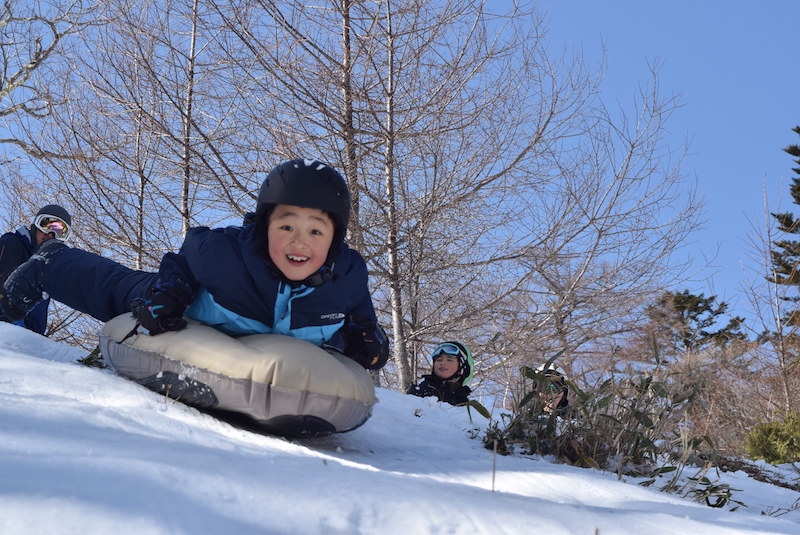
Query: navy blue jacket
x=229 y=284
x=223 y=270
x=16 y=248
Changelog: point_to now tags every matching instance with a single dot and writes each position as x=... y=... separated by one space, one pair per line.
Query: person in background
x=452 y=371
x=51 y=222
x=554 y=392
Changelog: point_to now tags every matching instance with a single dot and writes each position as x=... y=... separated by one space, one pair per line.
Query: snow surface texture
x=83 y=451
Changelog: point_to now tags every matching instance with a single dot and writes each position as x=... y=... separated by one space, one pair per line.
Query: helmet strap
x=319 y=278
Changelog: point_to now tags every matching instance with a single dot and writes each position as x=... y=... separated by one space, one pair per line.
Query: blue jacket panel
x=205 y=309
x=224 y=263
x=15 y=248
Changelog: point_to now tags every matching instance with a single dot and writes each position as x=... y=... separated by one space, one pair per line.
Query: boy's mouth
x=296 y=259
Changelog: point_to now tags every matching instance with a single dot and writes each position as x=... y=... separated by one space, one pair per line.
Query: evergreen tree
x=688 y=321
x=786 y=255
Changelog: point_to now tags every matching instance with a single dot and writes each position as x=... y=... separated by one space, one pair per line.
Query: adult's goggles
x=50 y=224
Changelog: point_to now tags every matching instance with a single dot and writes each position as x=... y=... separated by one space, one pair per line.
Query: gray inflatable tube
x=274 y=383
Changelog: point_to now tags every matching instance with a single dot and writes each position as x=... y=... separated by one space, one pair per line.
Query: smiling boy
x=299 y=240
x=288 y=272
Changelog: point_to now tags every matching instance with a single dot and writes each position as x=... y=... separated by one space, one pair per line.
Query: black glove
x=163 y=310
x=367 y=343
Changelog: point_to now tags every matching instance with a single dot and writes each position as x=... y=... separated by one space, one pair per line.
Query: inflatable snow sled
x=282 y=385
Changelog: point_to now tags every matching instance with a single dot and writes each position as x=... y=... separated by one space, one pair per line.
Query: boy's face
x=445 y=365
x=299 y=240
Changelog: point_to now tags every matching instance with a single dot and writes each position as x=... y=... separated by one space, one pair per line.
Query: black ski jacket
x=447 y=391
x=16 y=248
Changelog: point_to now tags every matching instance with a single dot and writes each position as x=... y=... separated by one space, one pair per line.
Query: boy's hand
x=162 y=311
x=367 y=343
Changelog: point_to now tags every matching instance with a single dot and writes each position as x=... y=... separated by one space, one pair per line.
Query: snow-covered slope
x=86 y=452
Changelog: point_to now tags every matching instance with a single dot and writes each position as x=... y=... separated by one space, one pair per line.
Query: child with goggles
x=452 y=371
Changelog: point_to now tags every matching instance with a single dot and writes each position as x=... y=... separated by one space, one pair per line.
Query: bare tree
x=484 y=172
x=777 y=332
x=495 y=199
x=30 y=33
x=147 y=115
x=154 y=113
x=34 y=36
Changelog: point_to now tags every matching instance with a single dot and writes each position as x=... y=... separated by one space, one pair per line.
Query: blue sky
x=734 y=65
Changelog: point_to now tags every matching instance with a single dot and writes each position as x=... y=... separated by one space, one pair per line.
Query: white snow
x=83 y=451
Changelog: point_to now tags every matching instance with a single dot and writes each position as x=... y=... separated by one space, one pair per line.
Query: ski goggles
x=50 y=224
x=448 y=349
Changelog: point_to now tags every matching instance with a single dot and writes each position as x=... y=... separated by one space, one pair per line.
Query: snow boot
x=181 y=388
x=23 y=288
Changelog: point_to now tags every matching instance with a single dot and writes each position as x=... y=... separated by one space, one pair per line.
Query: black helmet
x=309 y=184
x=57 y=211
